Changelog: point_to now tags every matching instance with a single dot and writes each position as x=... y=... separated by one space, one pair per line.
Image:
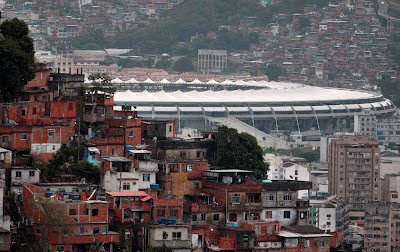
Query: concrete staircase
x=264 y=140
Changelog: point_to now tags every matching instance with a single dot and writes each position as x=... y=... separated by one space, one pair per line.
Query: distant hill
x=180 y=23
x=195 y=17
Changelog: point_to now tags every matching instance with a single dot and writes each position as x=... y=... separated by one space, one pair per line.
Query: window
x=23 y=112
x=60 y=247
x=72 y=212
x=198 y=154
x=188 y=168
x=81 y=230
x=174 y=212
x=176 y=235
x=268 y=214
x=286 y=214
x=18 y=174
x=24 y=136
x=269 y=197
x=95 y=212
x=51 y=133
x=126 y=186
x=194 y=217
x=146 y=177
x=395 y=196
x=130 y=133
x=161 y=212
x=96 y=230
x=287 y=197
x=170 y=128
x=216 y=217
x=127 y=235
x=4 y=139
x=203 y=217
x=296 y=172
x=328 y=223
x=34 y=111
x=235 y=198
x=328 y=215
x=31 y=173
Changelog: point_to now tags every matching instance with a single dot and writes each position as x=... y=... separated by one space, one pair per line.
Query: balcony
x=174 y=244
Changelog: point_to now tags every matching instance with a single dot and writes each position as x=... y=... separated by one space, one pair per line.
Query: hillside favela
x=199 y=125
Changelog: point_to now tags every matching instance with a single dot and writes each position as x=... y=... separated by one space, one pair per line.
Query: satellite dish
x=155 y=139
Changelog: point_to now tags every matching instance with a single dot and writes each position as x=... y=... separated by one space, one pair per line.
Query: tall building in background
x=365 y=124
x=212 y=61
x=354 y=170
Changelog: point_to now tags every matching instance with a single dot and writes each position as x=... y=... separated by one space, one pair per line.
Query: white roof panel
x=190 y=109
x=144 y=108
x=214 y=109
x=338 y=107
x=282 y=109
x=365 y=105
x=321 y=108
x=376 y=105
x=261 y=109
x=352 y=106
x=302 y=108
x=238 y=109
x=166 y=109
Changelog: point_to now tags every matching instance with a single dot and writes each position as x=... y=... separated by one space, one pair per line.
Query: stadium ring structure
x=267 y=106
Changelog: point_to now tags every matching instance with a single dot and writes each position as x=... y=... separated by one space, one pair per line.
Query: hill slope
x=180 y=23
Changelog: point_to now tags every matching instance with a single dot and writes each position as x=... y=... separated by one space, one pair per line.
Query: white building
x=123 y=174
x=281 y=168
x=365 y=124
x=23 y=175
x=329 y=216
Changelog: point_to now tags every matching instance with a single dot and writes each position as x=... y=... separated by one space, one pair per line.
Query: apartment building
x=354 y=170
x=366 y=124
x=212 y=61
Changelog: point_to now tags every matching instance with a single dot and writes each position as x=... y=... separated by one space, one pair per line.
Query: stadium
x=267 y=106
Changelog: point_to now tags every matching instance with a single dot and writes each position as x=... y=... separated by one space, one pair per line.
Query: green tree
x=163 y=64
x=162 y=248
x=184 y=64
x=390 y=89
x=16 y=58
x=273 y=71
x=66 y=162
x=240 y=151
x=303 y=24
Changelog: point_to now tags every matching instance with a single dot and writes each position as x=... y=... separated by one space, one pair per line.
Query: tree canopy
x=390 y=89
x=240 y=151
x=273 y=72
x=183 y=64
x=16 y=58
x=66 y=162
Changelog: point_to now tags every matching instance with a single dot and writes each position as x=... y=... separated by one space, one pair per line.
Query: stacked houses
x=154 y=189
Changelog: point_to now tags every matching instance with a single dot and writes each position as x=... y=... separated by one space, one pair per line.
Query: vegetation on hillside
x=16 y=58
x=240 y=151
x=390 y=89
x=296 y=6
x=179 y=24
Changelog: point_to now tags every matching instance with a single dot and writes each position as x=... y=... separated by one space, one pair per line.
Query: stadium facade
x=268 y=106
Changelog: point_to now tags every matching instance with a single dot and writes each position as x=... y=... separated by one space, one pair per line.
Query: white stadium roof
x=276 y=93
